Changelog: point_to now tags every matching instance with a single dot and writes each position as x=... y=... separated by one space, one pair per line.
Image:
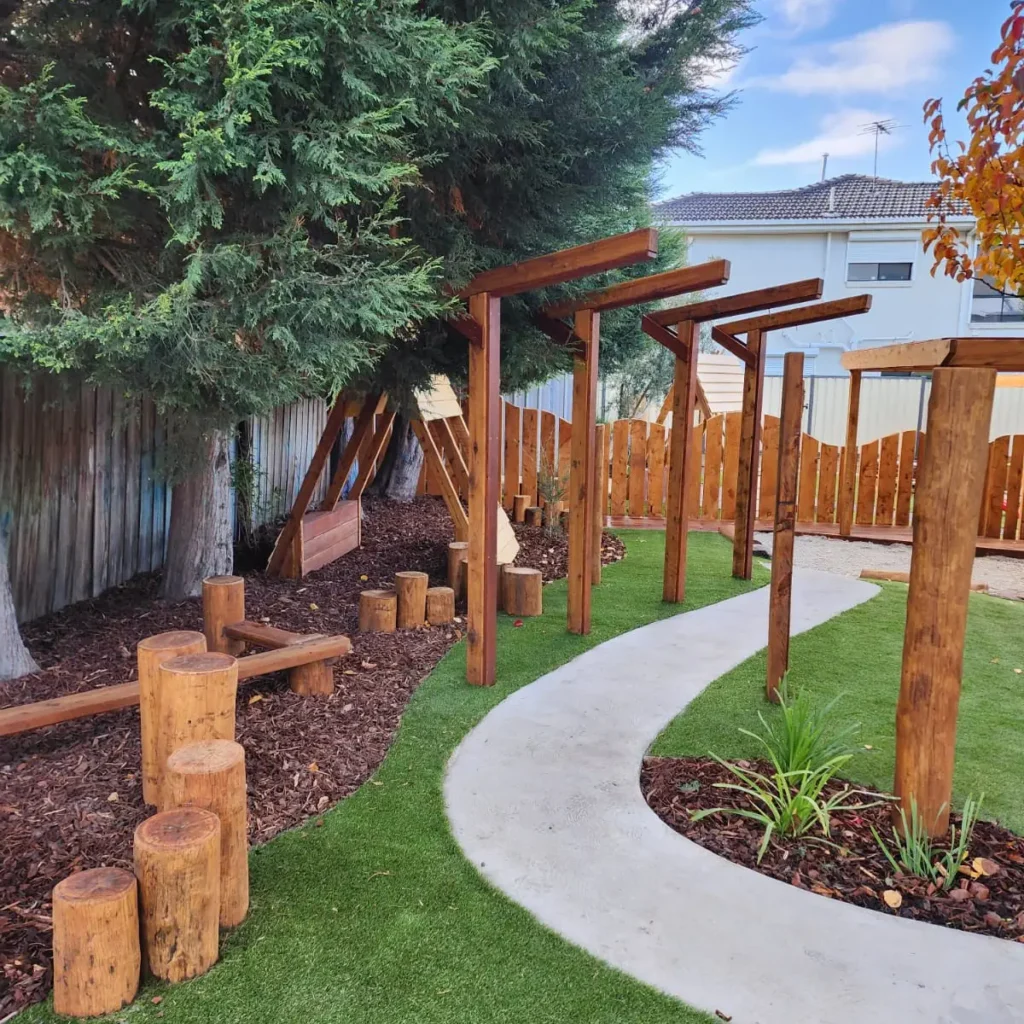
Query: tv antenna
x=879 y=128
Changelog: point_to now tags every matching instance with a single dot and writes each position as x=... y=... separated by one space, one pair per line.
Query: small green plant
x=802 y=736
x=551 y=486
x=916 y=853
x=806 y=753
x=251 y=511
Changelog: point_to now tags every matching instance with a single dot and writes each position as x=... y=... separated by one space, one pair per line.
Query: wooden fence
x=84 y=474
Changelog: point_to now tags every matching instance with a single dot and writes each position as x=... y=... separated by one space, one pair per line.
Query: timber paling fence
x=83 y=473
x=635 y=464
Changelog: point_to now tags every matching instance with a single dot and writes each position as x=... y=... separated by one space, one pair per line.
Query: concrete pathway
x=544 y=799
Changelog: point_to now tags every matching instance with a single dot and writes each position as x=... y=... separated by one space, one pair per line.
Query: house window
x=991 y=306
x=880 y=271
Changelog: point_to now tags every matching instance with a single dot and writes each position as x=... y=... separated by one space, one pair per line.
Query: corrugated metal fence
x=84 y=474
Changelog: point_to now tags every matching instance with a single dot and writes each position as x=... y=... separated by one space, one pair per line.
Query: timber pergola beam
x=584 y=335
x=744 y=302
x=484 y=294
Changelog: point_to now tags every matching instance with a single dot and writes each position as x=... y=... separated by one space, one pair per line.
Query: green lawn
x=858 y=655
x=374 y=917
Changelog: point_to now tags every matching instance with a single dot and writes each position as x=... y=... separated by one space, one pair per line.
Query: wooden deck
x=871 y=534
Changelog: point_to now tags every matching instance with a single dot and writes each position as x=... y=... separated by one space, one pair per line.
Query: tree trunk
x=399 y=472
x=15 y=660
x=199 y=542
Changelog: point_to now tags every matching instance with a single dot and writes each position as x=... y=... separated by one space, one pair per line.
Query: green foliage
x=806 y=754
x=916 y=853
x=802 y=737
x=643 y=377
x=552 y=485
x=227 y=206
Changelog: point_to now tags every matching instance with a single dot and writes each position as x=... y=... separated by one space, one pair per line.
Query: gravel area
x=1005 y=576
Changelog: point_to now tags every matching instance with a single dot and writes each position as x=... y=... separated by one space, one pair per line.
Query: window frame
x=1003 y=317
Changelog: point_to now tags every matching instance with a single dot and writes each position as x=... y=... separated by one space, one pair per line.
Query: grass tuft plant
x=916 y=853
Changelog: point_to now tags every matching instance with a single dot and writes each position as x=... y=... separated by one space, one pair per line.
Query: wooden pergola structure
x=950 y=485
x=482 y=328
x=584 y=496
x=678 y=329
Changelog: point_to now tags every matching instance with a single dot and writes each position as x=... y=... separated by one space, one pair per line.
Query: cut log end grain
x=211 y=775
x=96 y=958
x=458 y=559
x=177 y=864
x=378 y=611
x=411 y=588
x=152 y=653
x=440 y=605
x=523 y=591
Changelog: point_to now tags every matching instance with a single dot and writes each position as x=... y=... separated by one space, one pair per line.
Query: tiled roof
x=852 y=196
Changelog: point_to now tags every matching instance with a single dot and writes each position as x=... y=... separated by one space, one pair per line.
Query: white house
x=858 y=233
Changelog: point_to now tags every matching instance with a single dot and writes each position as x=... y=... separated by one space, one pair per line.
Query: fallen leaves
x=893 y=899
x=983 y=867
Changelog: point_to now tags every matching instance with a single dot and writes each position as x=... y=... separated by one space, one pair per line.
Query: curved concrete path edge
x=543 y=797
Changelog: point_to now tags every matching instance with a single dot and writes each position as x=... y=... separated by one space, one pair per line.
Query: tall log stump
x=458 y=559
x=152 y=653
x=211 y=775
x=378 y=611
x=523 y=590
x=535 y=516
x=96 y=957
x=177 y=863
x=950 y=484
x=197 y=702
x=519 y=505
x=440 y=605
x=223 y=605
x=411 y=588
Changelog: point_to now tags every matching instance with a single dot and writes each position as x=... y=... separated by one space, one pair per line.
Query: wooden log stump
x=458 y=559
x=152 y=653
x=522 y=591
x=197 y=702
x=411 y=588
x=96 y=958
x=535 y=516
x=378 y=611
x=440 y=605
x=313 y=680
x=211 y=775
x=223 y=605
x=519 y=505
x=177 y=863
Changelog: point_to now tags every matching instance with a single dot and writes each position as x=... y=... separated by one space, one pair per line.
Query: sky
x=817 y=72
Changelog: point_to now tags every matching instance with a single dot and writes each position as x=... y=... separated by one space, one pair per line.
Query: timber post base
x=440 y=605
x=535 y=516
x=211 y=775
x=522 y=591
x=151 y=654
x=177 y=863
x=411 y=588
x=313 y=680
x=96 y=953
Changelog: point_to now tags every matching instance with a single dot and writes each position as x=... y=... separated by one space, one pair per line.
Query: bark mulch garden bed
x=71 y=794
x=987 y=897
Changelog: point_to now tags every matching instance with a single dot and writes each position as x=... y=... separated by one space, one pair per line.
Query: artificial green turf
x=858 y=655
x=375 y=917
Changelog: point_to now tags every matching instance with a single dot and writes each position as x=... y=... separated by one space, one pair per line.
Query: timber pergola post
x=584 y=337
x=481 y=327
x=754 y=355
x=678 y=330
x=950 y=484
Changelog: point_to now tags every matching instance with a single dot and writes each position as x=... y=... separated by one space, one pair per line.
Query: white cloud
x=883 y=59
x=839 y=136
x=807 y=14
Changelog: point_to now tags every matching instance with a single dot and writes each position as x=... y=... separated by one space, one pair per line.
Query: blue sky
x=817 y=71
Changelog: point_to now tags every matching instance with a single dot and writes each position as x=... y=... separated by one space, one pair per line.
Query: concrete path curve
x=543 y=797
